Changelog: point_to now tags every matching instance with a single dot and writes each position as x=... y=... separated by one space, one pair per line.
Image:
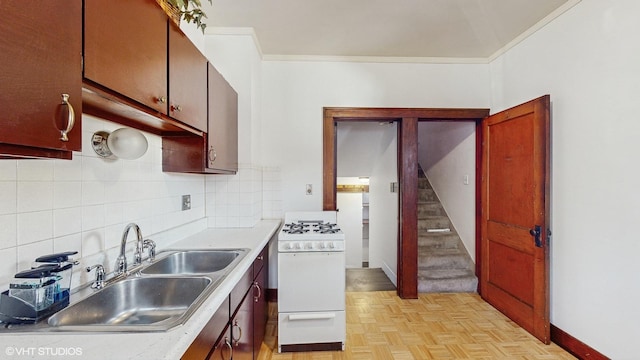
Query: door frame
x=408 y=119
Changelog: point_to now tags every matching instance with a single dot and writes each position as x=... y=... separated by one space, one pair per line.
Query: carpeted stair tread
x=431 y=208
x=439 y=241
x=443 y=262
x=434 y=222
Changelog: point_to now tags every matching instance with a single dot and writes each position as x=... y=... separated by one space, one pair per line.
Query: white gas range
x=311 y=283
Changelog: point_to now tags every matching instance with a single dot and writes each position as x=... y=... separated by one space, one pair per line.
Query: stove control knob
x=296 y=246
x=331 y=245
x=321 y=245
x=287 y=246
x=308 y=245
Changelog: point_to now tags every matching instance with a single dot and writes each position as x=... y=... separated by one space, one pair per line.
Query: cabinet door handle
x=212 y=155
x=236 y=342
x=257 y=298
x=161 y=99
x=71 y=120
x=228 y=345
x=176 y=107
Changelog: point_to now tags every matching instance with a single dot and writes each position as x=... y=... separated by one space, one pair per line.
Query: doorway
x=407 y=135
x=366 y=164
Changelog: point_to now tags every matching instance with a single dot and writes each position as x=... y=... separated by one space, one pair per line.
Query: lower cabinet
x=211 y=338
x=237 y=328
x=223 y=350
x=242 y=330
x=260 y=307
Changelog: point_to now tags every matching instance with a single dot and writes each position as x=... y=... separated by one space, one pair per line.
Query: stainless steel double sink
x=156 y=297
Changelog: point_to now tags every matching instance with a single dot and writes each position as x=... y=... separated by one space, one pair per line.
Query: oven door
x=311 y=281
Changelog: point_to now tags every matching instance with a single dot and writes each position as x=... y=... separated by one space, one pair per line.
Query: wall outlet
x=186 y=202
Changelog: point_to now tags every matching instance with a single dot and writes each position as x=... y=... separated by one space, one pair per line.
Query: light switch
x=465 y=179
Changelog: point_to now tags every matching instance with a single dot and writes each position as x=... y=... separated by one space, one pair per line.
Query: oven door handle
x=294 y=317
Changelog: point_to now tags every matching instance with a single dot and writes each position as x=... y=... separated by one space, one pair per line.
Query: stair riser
x=430 y=209
x=445 y=285
x=424 y=184
x=444 y=262
x=426 y=195
x=438 y=242
x=433 y=223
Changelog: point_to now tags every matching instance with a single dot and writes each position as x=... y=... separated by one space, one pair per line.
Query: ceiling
x=409 y=29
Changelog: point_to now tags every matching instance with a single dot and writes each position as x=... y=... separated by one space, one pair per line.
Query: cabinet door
x=125 y=49
x=187 y=81
x=223 y=350
x=260 y=309
x=202 y=346
x=41 y=57
x=223 y=124
x=242 y=330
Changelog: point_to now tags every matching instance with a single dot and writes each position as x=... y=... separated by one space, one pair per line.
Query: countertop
x=150 y=345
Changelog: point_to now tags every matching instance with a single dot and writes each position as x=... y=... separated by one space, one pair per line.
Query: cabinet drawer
x=260 y=260
x=311 y=328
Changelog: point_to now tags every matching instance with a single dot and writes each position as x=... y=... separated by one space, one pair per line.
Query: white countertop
x=151 y=345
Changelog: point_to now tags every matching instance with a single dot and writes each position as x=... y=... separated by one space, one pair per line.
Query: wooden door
x=515 y=208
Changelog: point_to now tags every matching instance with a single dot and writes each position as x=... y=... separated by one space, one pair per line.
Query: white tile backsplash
x=35 y=170
x=8 y=197
x=67 y=194
x=67 y=221
x=8 y=231
x=8 y=170
x=35 y=226
x=34 y=196
x=84 y=204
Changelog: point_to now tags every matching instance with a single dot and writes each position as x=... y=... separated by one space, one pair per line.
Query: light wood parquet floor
x=382 y=326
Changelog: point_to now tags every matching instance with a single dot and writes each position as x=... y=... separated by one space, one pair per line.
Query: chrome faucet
x=121 y=262
x=100 y=275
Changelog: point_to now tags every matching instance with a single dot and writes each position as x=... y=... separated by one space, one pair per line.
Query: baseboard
x=574 y=346
x=390 y=274
x=272 y=295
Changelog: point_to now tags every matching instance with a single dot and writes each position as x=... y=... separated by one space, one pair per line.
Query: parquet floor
x=382 y=326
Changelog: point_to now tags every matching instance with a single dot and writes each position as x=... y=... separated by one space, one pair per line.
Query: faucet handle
x=100 y=274
x=150 y=245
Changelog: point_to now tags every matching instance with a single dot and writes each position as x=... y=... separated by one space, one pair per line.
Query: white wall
x=383 y=207
x=588 y=60
x=294 y=94
x=447 y=153
x=350 y=222
x=237 y=200
x=84 y=205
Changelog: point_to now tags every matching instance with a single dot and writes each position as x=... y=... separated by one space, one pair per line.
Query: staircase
x=443 y=262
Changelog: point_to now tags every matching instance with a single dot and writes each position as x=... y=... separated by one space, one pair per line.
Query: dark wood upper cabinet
x=217 y=151
x=41 y=57
x=187 y=81
x=125 y=49
x=222 y=152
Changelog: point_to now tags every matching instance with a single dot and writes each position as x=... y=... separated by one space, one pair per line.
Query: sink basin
x=194 y=262
x=136 y=304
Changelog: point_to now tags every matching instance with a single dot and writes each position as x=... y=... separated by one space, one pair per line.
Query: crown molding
x=248 y=31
